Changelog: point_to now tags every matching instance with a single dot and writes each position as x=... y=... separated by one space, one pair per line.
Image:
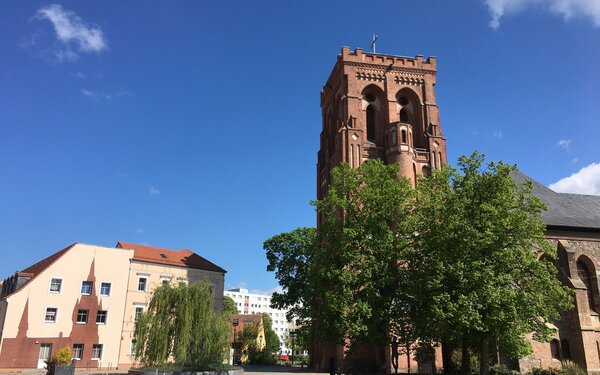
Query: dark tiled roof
x=182 y=258
x=565 y=210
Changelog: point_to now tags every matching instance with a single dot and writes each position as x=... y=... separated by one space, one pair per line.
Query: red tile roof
x=37 y=268
x=45 y=263
x=182 y=258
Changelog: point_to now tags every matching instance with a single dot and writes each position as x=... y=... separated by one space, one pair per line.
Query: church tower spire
x=377 y=106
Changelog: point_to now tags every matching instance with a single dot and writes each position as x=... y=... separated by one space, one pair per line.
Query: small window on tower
x=403 y=136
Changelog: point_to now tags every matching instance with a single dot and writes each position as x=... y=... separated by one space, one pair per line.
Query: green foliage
x=366 y=230
x=62 y=357
x=272 y=343
x=502 y=370
x=571 y=368
x=546 y=371
x=481 y=268
x=462 y=257
x=292 y=256
x=181 y=323
x=229 y=307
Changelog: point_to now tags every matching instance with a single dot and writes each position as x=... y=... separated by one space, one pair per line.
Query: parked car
x=284 y=357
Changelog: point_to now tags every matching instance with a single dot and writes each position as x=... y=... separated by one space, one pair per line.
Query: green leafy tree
x=480 y=270
x=272 y=342
x=292 y=256
x=181 y=323
x=366 y=232
x=229 y=307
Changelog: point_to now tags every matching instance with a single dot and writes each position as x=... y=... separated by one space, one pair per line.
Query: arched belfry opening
x=409 y=109
x=374 y=115
x=370 y=122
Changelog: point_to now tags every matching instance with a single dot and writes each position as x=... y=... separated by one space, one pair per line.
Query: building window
x=86 y=287
x=583 y=271
x=138 y=312
x=370 y=122
x=55 y=285
x=50 y=316
x=142 y=284
x=101 y=316
x=403 y=136
x=77 y=352
x=97 y=351
x=132 y=347
x=403 y=115
x=82 y=316
x=555 y=349
x=105 y=289
x=394 y=135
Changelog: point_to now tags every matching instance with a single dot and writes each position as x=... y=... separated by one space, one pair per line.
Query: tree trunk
x=484 y=356
x=465 y=361
x=408 y=355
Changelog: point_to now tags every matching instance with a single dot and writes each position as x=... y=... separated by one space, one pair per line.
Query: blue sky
x=196 y=124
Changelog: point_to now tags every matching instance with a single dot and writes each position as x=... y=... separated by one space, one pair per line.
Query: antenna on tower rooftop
x=373 y=43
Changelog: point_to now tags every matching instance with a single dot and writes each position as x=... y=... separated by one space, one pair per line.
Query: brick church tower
x=377 y=106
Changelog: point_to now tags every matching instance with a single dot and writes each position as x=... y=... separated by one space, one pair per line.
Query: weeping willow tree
x=181 y=326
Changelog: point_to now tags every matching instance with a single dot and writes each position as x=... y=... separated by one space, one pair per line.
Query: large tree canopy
x=180 y=323
x=461 y=257
x=480 y=269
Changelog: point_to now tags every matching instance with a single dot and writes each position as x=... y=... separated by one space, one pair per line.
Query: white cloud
x=498 y=134
x=139 y=231
x=74 y=35
x=101 y=95
x=568 y=9
x=586 y=181
x=152 y=190
x=564 y=143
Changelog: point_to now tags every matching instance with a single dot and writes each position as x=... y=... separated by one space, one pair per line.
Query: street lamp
x=293 y=336
x=235 y=324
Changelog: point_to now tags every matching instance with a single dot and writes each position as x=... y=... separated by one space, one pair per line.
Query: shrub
x=546 y=371
x=571 y=368
x=502 y=370
x=62 y=357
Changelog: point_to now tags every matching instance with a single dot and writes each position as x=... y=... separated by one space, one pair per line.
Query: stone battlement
x=359 y=56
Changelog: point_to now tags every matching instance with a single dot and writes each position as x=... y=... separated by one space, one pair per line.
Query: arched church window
x=555 y=349
x=403 y=115
x=583 y=271
x=370 y=122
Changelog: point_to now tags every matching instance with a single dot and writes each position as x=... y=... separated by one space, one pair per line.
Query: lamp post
x=293 y=336
x=235 y=324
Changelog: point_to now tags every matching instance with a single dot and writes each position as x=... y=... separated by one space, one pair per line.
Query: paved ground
x=269 y=370
x=274 y=370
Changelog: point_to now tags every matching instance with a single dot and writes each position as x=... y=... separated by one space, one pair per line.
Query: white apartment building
x=253 y=303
